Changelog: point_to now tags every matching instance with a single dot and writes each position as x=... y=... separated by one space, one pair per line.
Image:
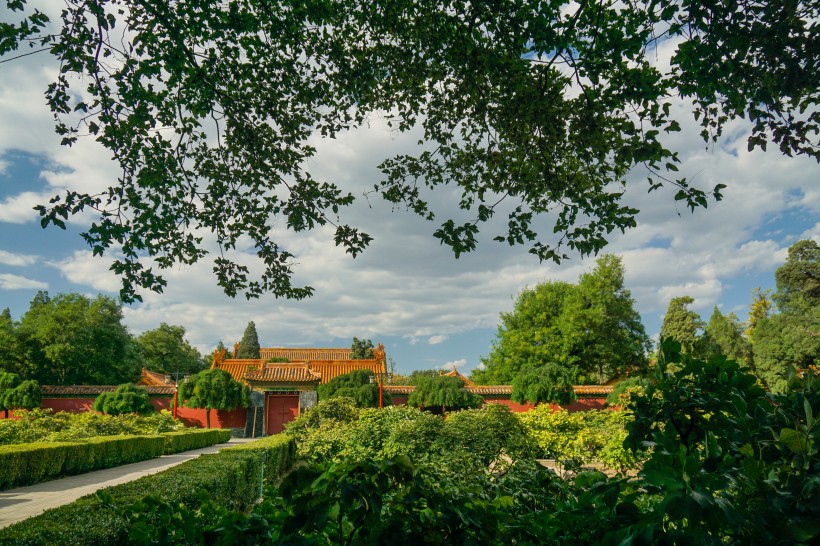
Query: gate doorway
x=280 y=409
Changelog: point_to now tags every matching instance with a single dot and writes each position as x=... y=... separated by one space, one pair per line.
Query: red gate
x=280 y=409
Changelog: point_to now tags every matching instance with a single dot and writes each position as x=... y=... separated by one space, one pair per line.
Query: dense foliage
x=211 y=110
x=45 y=426
x=582 y=437
x=125 y=398
x=249 y=344
x=442 y=392
x=360 y=385
x=592 y=329
x=213 y=389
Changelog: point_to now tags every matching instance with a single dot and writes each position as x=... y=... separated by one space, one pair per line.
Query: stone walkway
x=24 y=502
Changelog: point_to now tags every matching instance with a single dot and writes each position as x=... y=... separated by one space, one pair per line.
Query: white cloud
x=9 y=258
x=435 y=340
x=454 y=364
x=16 y=282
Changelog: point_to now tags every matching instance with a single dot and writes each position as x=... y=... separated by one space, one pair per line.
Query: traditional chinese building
x=284 y=380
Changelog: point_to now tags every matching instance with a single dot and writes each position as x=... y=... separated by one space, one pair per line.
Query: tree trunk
x=208 y=416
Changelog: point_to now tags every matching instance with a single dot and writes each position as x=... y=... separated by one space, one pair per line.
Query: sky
x=405 y=291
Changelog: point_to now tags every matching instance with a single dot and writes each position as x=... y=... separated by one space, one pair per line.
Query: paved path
x=25 y=502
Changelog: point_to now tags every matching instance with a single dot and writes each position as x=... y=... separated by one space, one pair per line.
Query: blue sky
x=405 y=291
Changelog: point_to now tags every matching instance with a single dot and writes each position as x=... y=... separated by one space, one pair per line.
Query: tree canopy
x=210 y=109
x=249 y=345
x=591 y=328
x=165 y=350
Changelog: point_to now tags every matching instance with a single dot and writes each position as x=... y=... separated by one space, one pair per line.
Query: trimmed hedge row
x=279 y=455
x=230 y=477
x=186 y=440
x=26 y=464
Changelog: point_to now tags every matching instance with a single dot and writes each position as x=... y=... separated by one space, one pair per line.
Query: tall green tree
x=724 y=336
x=213 y=389
x=249 y=346
x=606 y=330
x=790 y=339
x=9 y=342
x=591 y=329
x=682 y=324
x=165 y=350
x=550 y=104
x=73 y=340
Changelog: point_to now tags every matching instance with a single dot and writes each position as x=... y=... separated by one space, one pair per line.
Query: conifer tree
x=249 y=346
x=682 y=324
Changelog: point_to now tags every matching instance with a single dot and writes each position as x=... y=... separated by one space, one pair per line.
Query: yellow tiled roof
x=326 y=369
x=304 y=354
x=283 y=373
x=332 y=368
x=238 y=367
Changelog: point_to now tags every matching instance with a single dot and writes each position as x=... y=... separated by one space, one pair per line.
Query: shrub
x=126 y=398
x=279 y=454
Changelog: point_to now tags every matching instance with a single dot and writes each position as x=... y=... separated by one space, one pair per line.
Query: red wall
x=71 y=405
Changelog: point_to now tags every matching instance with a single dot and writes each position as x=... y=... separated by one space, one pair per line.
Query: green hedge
x=186 y=440
x=279 y=454
x=230 y=477
x=26 y=464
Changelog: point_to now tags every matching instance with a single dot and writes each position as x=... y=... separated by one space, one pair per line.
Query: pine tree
x=249 y=346
x=682 y=324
